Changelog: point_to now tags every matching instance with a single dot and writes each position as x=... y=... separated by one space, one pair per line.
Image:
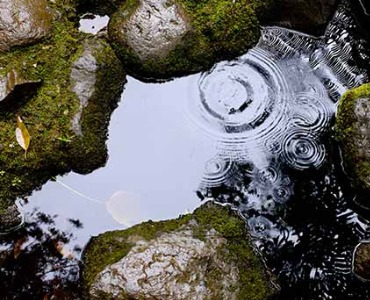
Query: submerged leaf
x=63 y=250
x=18 y=246
x=22 y=135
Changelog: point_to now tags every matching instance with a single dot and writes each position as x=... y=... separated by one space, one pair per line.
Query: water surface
x=252 y=133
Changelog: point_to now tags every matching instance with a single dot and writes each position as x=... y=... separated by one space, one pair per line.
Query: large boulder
x=23 y=22
x=79 y=82
x=206 y=255
x=159 y=39
x=353 y=132
x=309 y=16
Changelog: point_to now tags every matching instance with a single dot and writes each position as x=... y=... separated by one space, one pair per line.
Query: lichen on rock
x=353 y=132
x=206 y=255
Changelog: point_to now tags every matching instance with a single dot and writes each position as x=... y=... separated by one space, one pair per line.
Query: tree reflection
x=35 y=262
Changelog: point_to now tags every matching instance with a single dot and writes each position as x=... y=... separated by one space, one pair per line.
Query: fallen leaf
x=22 y=135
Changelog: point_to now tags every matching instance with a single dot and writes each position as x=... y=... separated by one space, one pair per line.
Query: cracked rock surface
x=206 y=255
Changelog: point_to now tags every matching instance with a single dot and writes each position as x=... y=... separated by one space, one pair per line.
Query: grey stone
x=154 y=29
x=205 y=255
x=154 y=269
x=83 y=78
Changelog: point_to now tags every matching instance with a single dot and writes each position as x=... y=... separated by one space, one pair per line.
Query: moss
x=219 y=30
x=110 y=247
x=54 y=149
x=346 y=133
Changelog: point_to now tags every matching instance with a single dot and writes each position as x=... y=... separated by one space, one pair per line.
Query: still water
x=253 y=133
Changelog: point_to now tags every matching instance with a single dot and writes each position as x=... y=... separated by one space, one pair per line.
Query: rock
x=353 y=132
x=206 y=255
x=159 y=39
x=23 y=22
x=361 y=260
x=97 y=79
x=10 y=219
x=80 y=82
x=309 y=16
x=83 y=78
x=15 y=90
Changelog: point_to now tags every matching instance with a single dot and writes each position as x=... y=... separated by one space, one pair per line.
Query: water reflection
x=36 y=263
x=251 y=133
x=288 y=183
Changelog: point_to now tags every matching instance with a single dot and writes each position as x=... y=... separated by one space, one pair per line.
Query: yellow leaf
x=22 y=135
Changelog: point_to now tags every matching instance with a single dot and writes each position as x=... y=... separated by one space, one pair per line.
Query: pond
x=253 y=133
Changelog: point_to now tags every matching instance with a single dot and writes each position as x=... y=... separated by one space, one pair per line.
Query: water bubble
x=281 y=194
x=260 y=226
x=301 y=150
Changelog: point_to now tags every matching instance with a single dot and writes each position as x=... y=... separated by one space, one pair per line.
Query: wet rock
x=162 y=39
x=23 y=22
x=14 y=90
x=309 y=16
x=10 y=218
x=97 y=79
x=83 y=78
x=206 y=255
x=353 y=131
x=361 y=260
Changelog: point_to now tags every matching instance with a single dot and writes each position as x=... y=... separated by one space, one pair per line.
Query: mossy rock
x=161 y=39
x=361 y=260
x=55 y=146
x=224 y=265
x=353 y=131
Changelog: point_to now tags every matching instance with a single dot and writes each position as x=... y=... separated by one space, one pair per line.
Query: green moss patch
x=347 y=134
x=110 y=247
